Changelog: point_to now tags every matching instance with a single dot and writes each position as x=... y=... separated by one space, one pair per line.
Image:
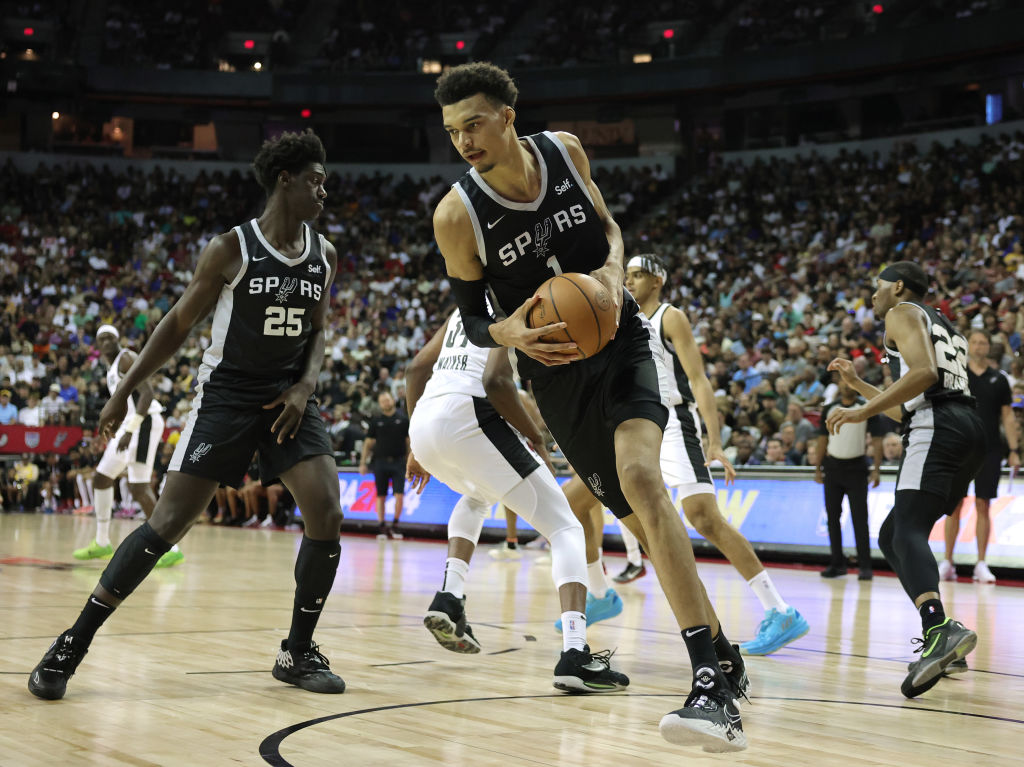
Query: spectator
x=31 y=414
x=52 y=406
x=892 y=449
x=8 y=411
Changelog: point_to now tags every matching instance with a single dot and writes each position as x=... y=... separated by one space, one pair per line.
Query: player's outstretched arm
x=678 y=331
x=218 y=265
x=613 y=273
x=905 y=327
x=502 y=392
x=421 y=369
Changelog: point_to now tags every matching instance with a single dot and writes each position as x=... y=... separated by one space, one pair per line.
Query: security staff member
x=388 y=440
x=843 y=470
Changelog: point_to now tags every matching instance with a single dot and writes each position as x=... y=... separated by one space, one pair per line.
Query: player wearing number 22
x=526 y=210
x=269 y=280
x=944 y=445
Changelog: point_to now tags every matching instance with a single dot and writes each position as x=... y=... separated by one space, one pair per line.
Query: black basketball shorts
x=584 y=402
x=389 y=470
x=943 y=448
x=219 y=440
x=986 y=481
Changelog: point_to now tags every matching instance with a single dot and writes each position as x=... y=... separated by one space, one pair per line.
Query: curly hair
x=467 y=80
x=289 y=151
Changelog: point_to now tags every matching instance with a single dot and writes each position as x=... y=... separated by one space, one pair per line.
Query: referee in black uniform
x=388 y=440
x=843 y=470
x=991 y=389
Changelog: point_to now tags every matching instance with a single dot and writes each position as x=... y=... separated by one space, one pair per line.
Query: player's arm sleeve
x=470 y=295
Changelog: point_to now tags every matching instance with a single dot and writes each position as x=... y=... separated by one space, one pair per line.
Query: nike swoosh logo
x=303 y=609
x=260 y=258
x=95 y=601
x=690 y=633
x=492 y=224
x=150 y=552
x=332 y=556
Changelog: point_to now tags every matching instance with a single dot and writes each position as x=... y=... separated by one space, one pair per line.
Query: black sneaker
x=582 y=671
x=309 y=670
x=940 y=646
x=735 y=671
x=50 y=678
x=709 y=719
x=394 y=534
x=446 y=620
x=832 y=571
x=631 y=573
x=865 y=575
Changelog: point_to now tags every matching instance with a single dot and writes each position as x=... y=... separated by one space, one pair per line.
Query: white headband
x=647 y=264
x=107 y=329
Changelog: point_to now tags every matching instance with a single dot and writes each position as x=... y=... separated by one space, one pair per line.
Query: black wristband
x=471 y=296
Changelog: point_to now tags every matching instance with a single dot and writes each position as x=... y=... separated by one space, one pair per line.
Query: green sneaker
x=170 y=559
x=94 y=551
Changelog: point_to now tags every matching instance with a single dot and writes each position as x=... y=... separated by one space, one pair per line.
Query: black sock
x=134 y=559
x=315 y=568
x=932 y=614
x=95 y=612
x=707 y=675
x=511 y=544
x=724 y=650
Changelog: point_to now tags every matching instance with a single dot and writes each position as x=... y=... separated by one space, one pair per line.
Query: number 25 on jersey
x=283 y=322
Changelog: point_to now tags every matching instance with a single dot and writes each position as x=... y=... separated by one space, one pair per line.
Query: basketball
x=583 y=304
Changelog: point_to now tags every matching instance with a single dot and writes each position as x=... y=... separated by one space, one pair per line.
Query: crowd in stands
x=773 y=261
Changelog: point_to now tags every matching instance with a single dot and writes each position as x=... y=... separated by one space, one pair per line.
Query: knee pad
x=467 y=519
x=568 y=555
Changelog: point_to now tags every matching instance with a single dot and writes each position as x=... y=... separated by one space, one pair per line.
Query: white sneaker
x=982 y=574
x=251 y=522
x=947 y=571
x=504 y=553
x=268 y=521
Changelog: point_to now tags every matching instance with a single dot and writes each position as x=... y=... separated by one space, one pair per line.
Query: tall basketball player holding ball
x=526 y=211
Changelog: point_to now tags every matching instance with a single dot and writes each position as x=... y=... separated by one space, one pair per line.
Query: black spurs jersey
x=951 y=358
x=263 y=318
x=671 y=359
x=522 y=244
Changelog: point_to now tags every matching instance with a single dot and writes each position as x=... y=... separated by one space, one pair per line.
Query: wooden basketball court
x=180 y=675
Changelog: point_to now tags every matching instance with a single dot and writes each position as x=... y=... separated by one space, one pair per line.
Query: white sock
x=104 y=502
x=89 y=487
x=597 y=582
x=455 y=572
x=83 y=491
x=574 y=630
x=632 y=546
x=767 y=593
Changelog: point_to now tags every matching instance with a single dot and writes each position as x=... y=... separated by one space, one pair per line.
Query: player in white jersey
x=459 y=436
x=133 y=449
x=685 y=464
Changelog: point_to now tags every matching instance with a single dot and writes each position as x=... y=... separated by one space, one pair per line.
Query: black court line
x=201 y=673
x=270 y=747
x=502 y=652
x=402 y=663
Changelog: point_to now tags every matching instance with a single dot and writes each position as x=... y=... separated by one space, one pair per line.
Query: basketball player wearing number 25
x=527 y=210
x=944 y=446
x=270 y=281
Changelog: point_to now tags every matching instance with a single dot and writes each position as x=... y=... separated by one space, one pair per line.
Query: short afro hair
x=467 y=80
x=289 y=151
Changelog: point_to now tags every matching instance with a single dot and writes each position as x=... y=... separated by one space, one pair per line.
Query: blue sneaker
x=601 y=609
x=776 y=631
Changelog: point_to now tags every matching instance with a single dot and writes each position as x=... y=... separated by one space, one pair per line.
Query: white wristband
x=134 y=423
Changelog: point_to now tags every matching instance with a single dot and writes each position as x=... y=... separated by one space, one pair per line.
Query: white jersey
x=114 y=377
x=666 y=379
x=460 y=366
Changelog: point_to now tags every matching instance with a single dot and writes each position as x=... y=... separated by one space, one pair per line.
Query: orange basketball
x=583 y=304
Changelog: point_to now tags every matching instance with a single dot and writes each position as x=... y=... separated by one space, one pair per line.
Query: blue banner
x=788 y=512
